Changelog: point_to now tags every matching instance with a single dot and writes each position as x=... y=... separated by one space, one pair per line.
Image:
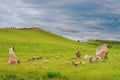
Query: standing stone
x=78 y=55
x=102 y=51
x=12 y=59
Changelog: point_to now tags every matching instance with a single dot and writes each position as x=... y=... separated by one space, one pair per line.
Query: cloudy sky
x=75 y=19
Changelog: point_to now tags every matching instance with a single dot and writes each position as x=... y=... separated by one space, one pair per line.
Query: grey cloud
x=75 y=19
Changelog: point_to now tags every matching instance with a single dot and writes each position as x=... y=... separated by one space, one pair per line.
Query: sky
x=74 y=19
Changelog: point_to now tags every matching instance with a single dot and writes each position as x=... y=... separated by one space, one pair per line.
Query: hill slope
x=23 y=38
x=29 y=42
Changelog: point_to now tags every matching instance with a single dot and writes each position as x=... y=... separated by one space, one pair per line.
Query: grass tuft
x=11 y=76
x=54 y=75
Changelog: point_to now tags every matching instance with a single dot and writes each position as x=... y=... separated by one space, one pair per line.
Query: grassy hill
x=30 y=42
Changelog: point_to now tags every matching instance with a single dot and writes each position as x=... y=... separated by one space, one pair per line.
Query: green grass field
x=37 y=42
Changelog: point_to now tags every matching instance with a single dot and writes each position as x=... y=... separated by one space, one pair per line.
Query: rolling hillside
x=30 y=42
x=37 y=38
